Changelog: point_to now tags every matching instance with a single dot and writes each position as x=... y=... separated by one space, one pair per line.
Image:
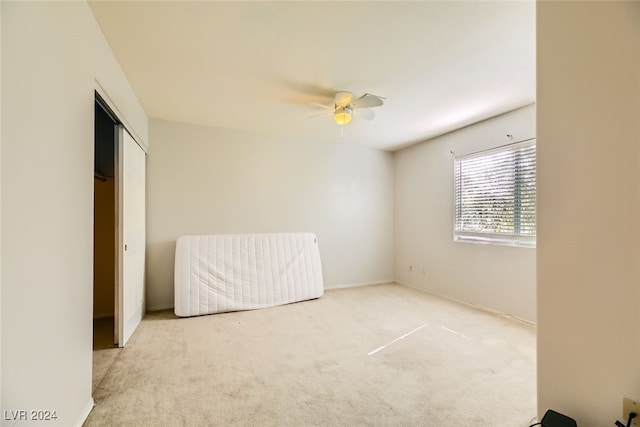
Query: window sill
x=530 y=244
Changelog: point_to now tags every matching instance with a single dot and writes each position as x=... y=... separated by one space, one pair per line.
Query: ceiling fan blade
x=317 y=91
x=365 y=113
x=367 y=101
x=325 y=114
x=323 y=106
x=343 y=99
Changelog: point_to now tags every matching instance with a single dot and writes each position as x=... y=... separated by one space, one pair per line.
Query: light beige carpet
x=380 y=355
x=104 y=350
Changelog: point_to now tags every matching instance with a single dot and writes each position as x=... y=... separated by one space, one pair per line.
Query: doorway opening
x=105 y=273
x=119 y=236
x=104 y=228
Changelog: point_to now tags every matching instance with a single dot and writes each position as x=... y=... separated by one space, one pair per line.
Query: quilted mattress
x=215 y=274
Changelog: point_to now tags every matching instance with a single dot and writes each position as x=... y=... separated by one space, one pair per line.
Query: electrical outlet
x=628 y=406
x=410 y=268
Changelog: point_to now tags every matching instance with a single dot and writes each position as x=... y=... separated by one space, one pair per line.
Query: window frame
x=502 y=239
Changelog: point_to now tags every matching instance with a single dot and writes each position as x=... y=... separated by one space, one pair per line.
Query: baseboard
x=355 y=285
x=468 y=304
x=340 y=286
x=85 y=413
x=159 y=307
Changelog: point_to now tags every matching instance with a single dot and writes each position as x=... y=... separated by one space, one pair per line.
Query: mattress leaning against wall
x=220 y=273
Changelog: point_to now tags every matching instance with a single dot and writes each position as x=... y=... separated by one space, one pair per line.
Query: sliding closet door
x=131 y=252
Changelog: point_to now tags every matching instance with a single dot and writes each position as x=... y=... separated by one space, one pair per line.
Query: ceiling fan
x=344 y=106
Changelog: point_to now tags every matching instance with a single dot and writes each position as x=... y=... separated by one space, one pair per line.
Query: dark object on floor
x=554 y=419
x=632 y=415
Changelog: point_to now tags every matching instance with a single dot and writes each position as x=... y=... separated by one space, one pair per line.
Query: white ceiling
x=256 y=66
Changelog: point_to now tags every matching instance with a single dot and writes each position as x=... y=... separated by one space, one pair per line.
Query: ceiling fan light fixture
x=343 y=115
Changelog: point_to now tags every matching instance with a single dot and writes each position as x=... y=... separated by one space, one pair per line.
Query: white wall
x=210 y=181
x=588 y=257
x=501 y=278
x=0 y=210
x=52 y=54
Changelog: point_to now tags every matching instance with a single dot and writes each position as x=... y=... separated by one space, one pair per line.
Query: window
x=495 y=195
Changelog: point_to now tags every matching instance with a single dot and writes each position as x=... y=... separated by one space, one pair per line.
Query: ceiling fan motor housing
x=343 y=115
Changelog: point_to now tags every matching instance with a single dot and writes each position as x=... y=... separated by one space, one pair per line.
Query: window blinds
x=495 y=195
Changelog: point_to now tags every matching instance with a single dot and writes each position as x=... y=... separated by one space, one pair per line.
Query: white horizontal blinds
x=495 y=192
